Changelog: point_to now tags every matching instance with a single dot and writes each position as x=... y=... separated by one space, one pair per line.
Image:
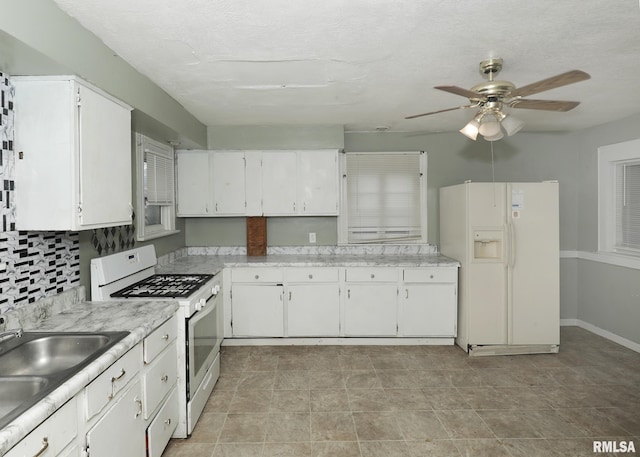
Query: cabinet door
x=318 y=182
x=194 y=191
x=279 y=170
x=121 y=430
x=313 y=310
x=371 y=310
x=257 y=310
x=428 y=310
x=105 y=160
x=228 y=179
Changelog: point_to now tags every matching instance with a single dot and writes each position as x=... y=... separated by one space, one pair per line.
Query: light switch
x=312 y=237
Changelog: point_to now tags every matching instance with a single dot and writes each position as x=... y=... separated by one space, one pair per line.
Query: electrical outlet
x=312 y=237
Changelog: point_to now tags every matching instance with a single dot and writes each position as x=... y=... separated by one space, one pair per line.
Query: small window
x=383 y=198
x=628 y=206
x=155 y=172
x=619 y=198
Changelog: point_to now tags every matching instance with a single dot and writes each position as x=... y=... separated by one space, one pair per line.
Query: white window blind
x=158 y=178
x=628 y=206
x=384 y=196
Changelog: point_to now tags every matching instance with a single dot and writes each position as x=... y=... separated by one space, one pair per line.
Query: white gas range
x=130 y=275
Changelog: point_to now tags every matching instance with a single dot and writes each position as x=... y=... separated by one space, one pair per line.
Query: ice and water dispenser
x=487 y=245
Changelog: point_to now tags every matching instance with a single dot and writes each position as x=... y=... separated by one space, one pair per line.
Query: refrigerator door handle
x=512 y=246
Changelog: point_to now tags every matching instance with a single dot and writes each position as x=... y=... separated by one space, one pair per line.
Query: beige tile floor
x=387 y=401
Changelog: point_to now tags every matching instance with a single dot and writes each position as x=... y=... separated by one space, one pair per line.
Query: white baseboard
x=337 y=341
x=601 y=332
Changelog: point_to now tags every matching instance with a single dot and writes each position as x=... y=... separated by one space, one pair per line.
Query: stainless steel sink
x=35 y=364
x=50 y=354
x=15 y=390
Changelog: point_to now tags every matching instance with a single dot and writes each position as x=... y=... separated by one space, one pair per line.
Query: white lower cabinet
x=428 y=302
x=257 y=310
x=313 y=310
x=427 y=310
x=51 y=437
x=370 y=310
x=120 y=431
x=163 y=425
x=344 y=302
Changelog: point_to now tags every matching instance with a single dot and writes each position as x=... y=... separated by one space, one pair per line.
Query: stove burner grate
x=164 y=286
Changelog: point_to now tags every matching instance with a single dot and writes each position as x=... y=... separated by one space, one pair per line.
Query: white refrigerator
x=506 y=238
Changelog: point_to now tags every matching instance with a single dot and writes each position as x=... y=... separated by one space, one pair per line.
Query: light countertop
x=138 y=317
x=213 y=264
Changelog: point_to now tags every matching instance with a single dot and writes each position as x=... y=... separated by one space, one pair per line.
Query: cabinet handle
x=310 y=276
x=122 y=373
x=165 y=336
x=431 y=277
x=165 y=378
x=406 y=293
x=139 y=402
x=348 y=293
x=113 y=383
x=372 y=276
x=289 y=295
x=167 y=422
x=45 y=446
x=257 y=276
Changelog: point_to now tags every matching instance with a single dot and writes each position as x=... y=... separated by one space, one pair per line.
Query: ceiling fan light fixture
x=471 y=129
x=489 y=126
x=495 y=137
x=511 y=125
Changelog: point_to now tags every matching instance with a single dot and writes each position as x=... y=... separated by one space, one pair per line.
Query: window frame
x=343 y=216
x=168 y=211
x=609 y=158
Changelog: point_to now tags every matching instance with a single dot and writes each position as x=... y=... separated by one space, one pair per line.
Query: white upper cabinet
x=318 y=182
x=228 y=181
x=73 y=144
x=279 y=177
x=193 y=175
x=256 y=183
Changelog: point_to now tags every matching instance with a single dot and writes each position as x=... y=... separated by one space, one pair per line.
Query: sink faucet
x=13 y=333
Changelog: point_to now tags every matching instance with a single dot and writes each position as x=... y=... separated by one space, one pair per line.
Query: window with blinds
x=627 y=225
x=384 y=196
x=155 y=162
x=158 y=177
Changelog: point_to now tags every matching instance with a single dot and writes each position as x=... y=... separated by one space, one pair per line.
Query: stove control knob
x=200 y=304
x=215 y=289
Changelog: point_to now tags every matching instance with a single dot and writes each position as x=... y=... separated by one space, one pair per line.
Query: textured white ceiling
x=369 y=63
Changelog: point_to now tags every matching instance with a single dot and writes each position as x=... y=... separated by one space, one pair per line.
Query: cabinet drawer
x=106 y=386
x=55 y=434
x=155 y=343
x=430 y=274
x=312 y=275
x=257 y=275
x=159 y=379
x=372 y=274
x=163 y=426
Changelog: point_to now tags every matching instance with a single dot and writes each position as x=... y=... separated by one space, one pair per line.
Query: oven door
x=203 y=343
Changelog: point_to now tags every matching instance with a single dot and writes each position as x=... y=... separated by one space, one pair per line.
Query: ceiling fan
x=494 y=95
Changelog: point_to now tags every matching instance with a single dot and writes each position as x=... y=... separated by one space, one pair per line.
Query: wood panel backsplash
x=256 y=236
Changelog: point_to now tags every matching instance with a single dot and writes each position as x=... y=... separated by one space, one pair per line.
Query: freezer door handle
x=512 y=246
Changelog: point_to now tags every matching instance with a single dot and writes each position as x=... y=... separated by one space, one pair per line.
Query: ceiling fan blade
x=441 y=111
x=459 y=91
x=546 y=105
x=564 y=79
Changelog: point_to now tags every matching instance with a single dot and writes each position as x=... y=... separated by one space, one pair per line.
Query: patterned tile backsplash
x=33 y=265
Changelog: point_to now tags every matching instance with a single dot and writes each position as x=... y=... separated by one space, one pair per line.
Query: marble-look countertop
x=213 y=264
x=138 y=317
